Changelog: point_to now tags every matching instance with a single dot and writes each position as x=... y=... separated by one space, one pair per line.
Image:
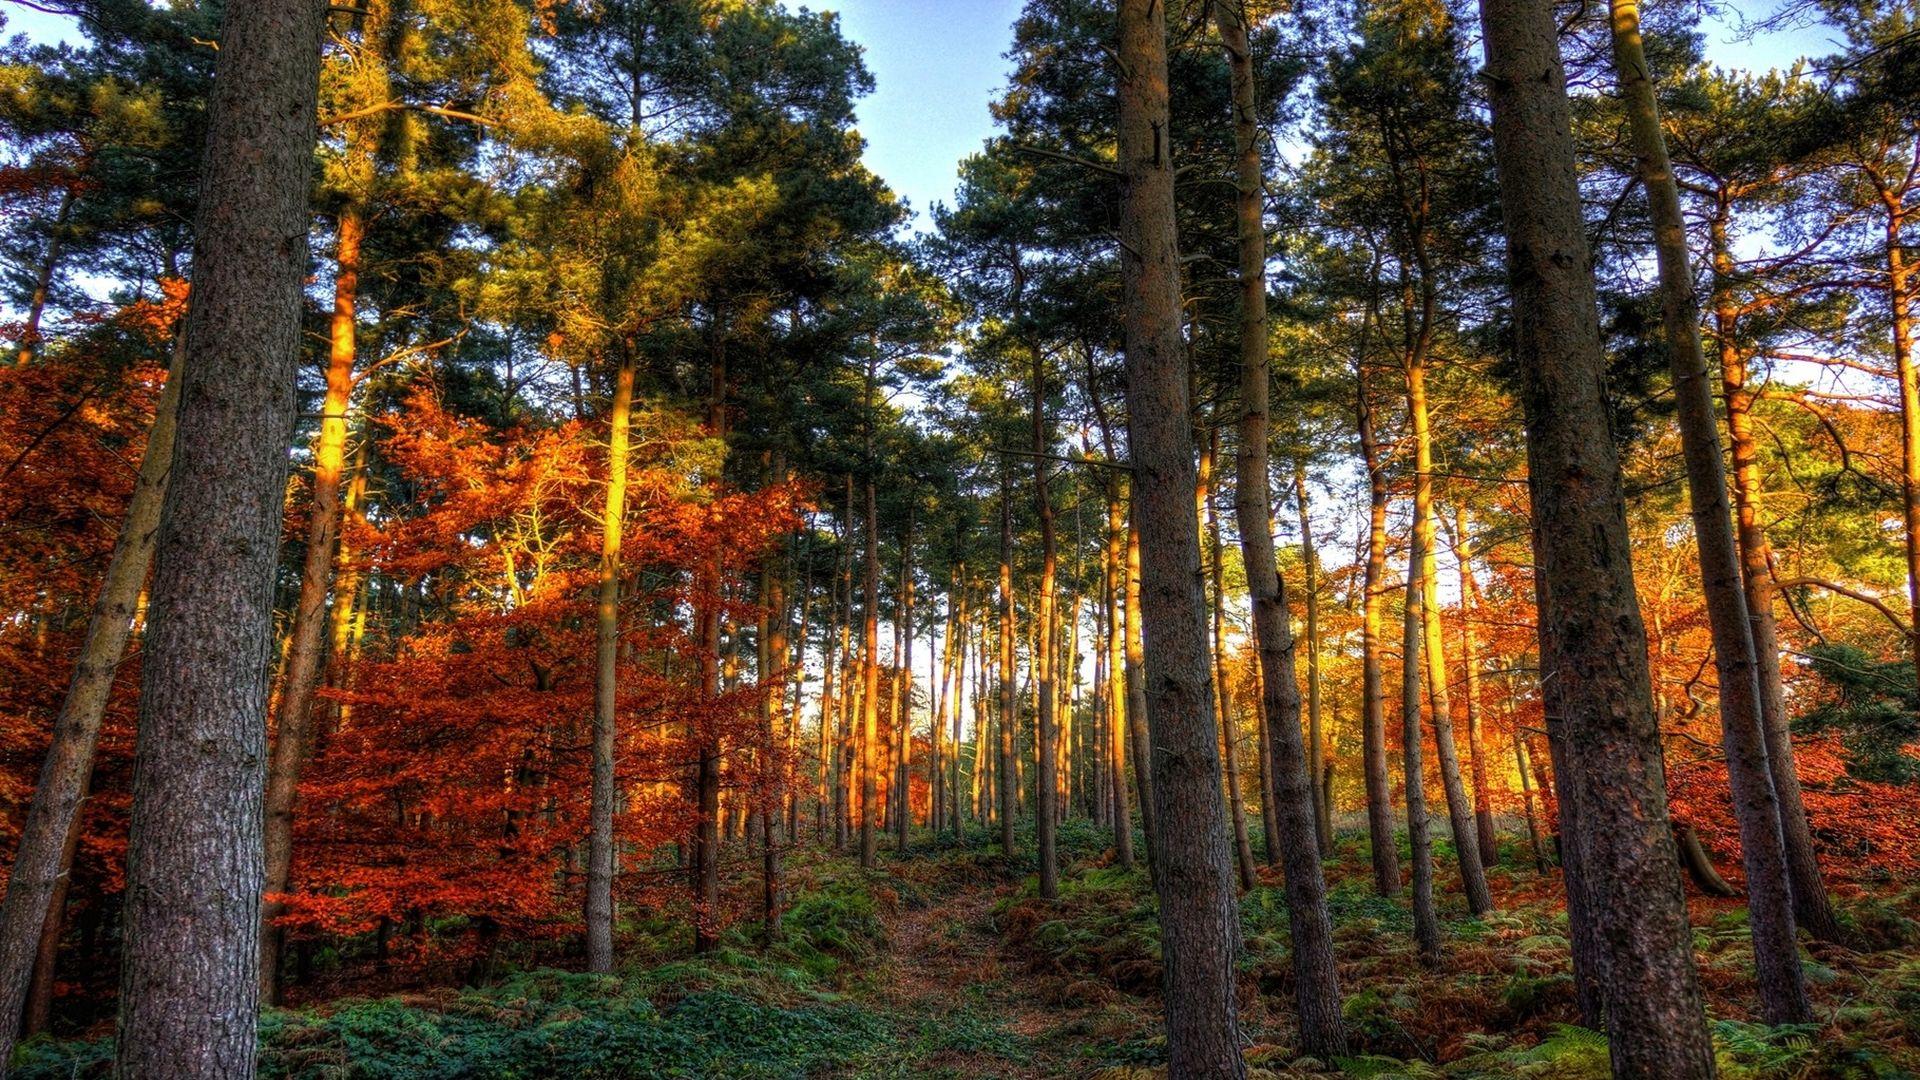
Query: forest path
x=962 y=1007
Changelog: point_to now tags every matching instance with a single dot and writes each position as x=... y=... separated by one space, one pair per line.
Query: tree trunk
x=606 y=682
x=1470 y=662
x=43 y=277
x=1118 y=707
x=1209 y=520
x=1426 y=923
x=870 y=705
x=903 y=694
x=1593 y=645
x=1473 y=876
x=774 y=648
x=1812 y=907
x=1136 y=712
x=1373 y=704
x=190 y=985
x=44 y=856
x=1316 y=977
x=1006 y=718
x=1783 y=992
x=1047 y=778
x=1198 y=918
x=305 y=660
x=1319 y=760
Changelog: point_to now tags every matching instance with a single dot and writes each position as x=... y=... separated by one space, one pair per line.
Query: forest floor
x=943 y=964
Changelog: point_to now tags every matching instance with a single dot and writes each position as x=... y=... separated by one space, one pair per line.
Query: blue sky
x=939 y=63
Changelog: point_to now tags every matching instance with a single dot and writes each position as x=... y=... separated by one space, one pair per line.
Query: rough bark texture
x=305 y=650
x=189 y=986
x=1047 y=781
x=1783 y=992
x=1319 y=759
x=1592 y=636
x=1294 y=779
x=37 y=882
x=1198 y=916
x=1373 y=702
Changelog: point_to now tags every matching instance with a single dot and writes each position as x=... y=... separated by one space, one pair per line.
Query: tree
x=194 y=861
x=1197 y=910
x=1769 y=895
x=1294 y=779
x=1590 y=628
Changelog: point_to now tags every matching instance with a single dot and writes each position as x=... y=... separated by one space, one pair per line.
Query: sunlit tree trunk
x=1473 y=877
x=773 y=645
x=903 y=732
x=306 y=640
x=1117 y=704
x=1319 y=759
x=1047 y=777
x=1593 y=643
x=870 y=694
x=43 y=857
x=1198 y=917
x=606 y=681
x=189 y=987
x=1783 y=991
x=1136 y=711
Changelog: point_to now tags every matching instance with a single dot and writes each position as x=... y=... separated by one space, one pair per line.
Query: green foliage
x=1873 y=709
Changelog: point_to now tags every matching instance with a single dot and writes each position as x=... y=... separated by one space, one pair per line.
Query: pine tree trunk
x=1117 y=703
x=1473 y=876
x=1783 y=992
x=1209 y=520
x=1198 y=917
x=1812 y=906
x=43 y=857
x=305 y=660
x=1294 y=778
x=1047 y=777
x=43 y=277
x=1373 y=704
x=1319 y=761
x=1593 y=644
x=189 y=985
x=1470 y=662
x=870 y=704
x=903 y=733
x=1136 y=712
x=606 y=682
x=1426 y=923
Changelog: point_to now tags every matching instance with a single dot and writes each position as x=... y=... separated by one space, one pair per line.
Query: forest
x=1369 y=538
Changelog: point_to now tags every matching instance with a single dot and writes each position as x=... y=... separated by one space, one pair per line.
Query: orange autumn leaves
x=455 y=782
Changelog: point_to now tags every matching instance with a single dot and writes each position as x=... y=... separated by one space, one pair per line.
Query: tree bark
x=606 y=682
x=1209 y=520
x=44 y=857
x=1426 y=923
x=1047 y=779
x=1197 y=909
x=870 y=705
x=1591 y=632
x=189 y=985
x=1006 y=718
x=1118 y=707
x=1473 y=876
x=1316 y=976
x=1470 y=663
x=1319 y=760
x=1812 y=906
x=1373 y=705
x=1783 y=992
